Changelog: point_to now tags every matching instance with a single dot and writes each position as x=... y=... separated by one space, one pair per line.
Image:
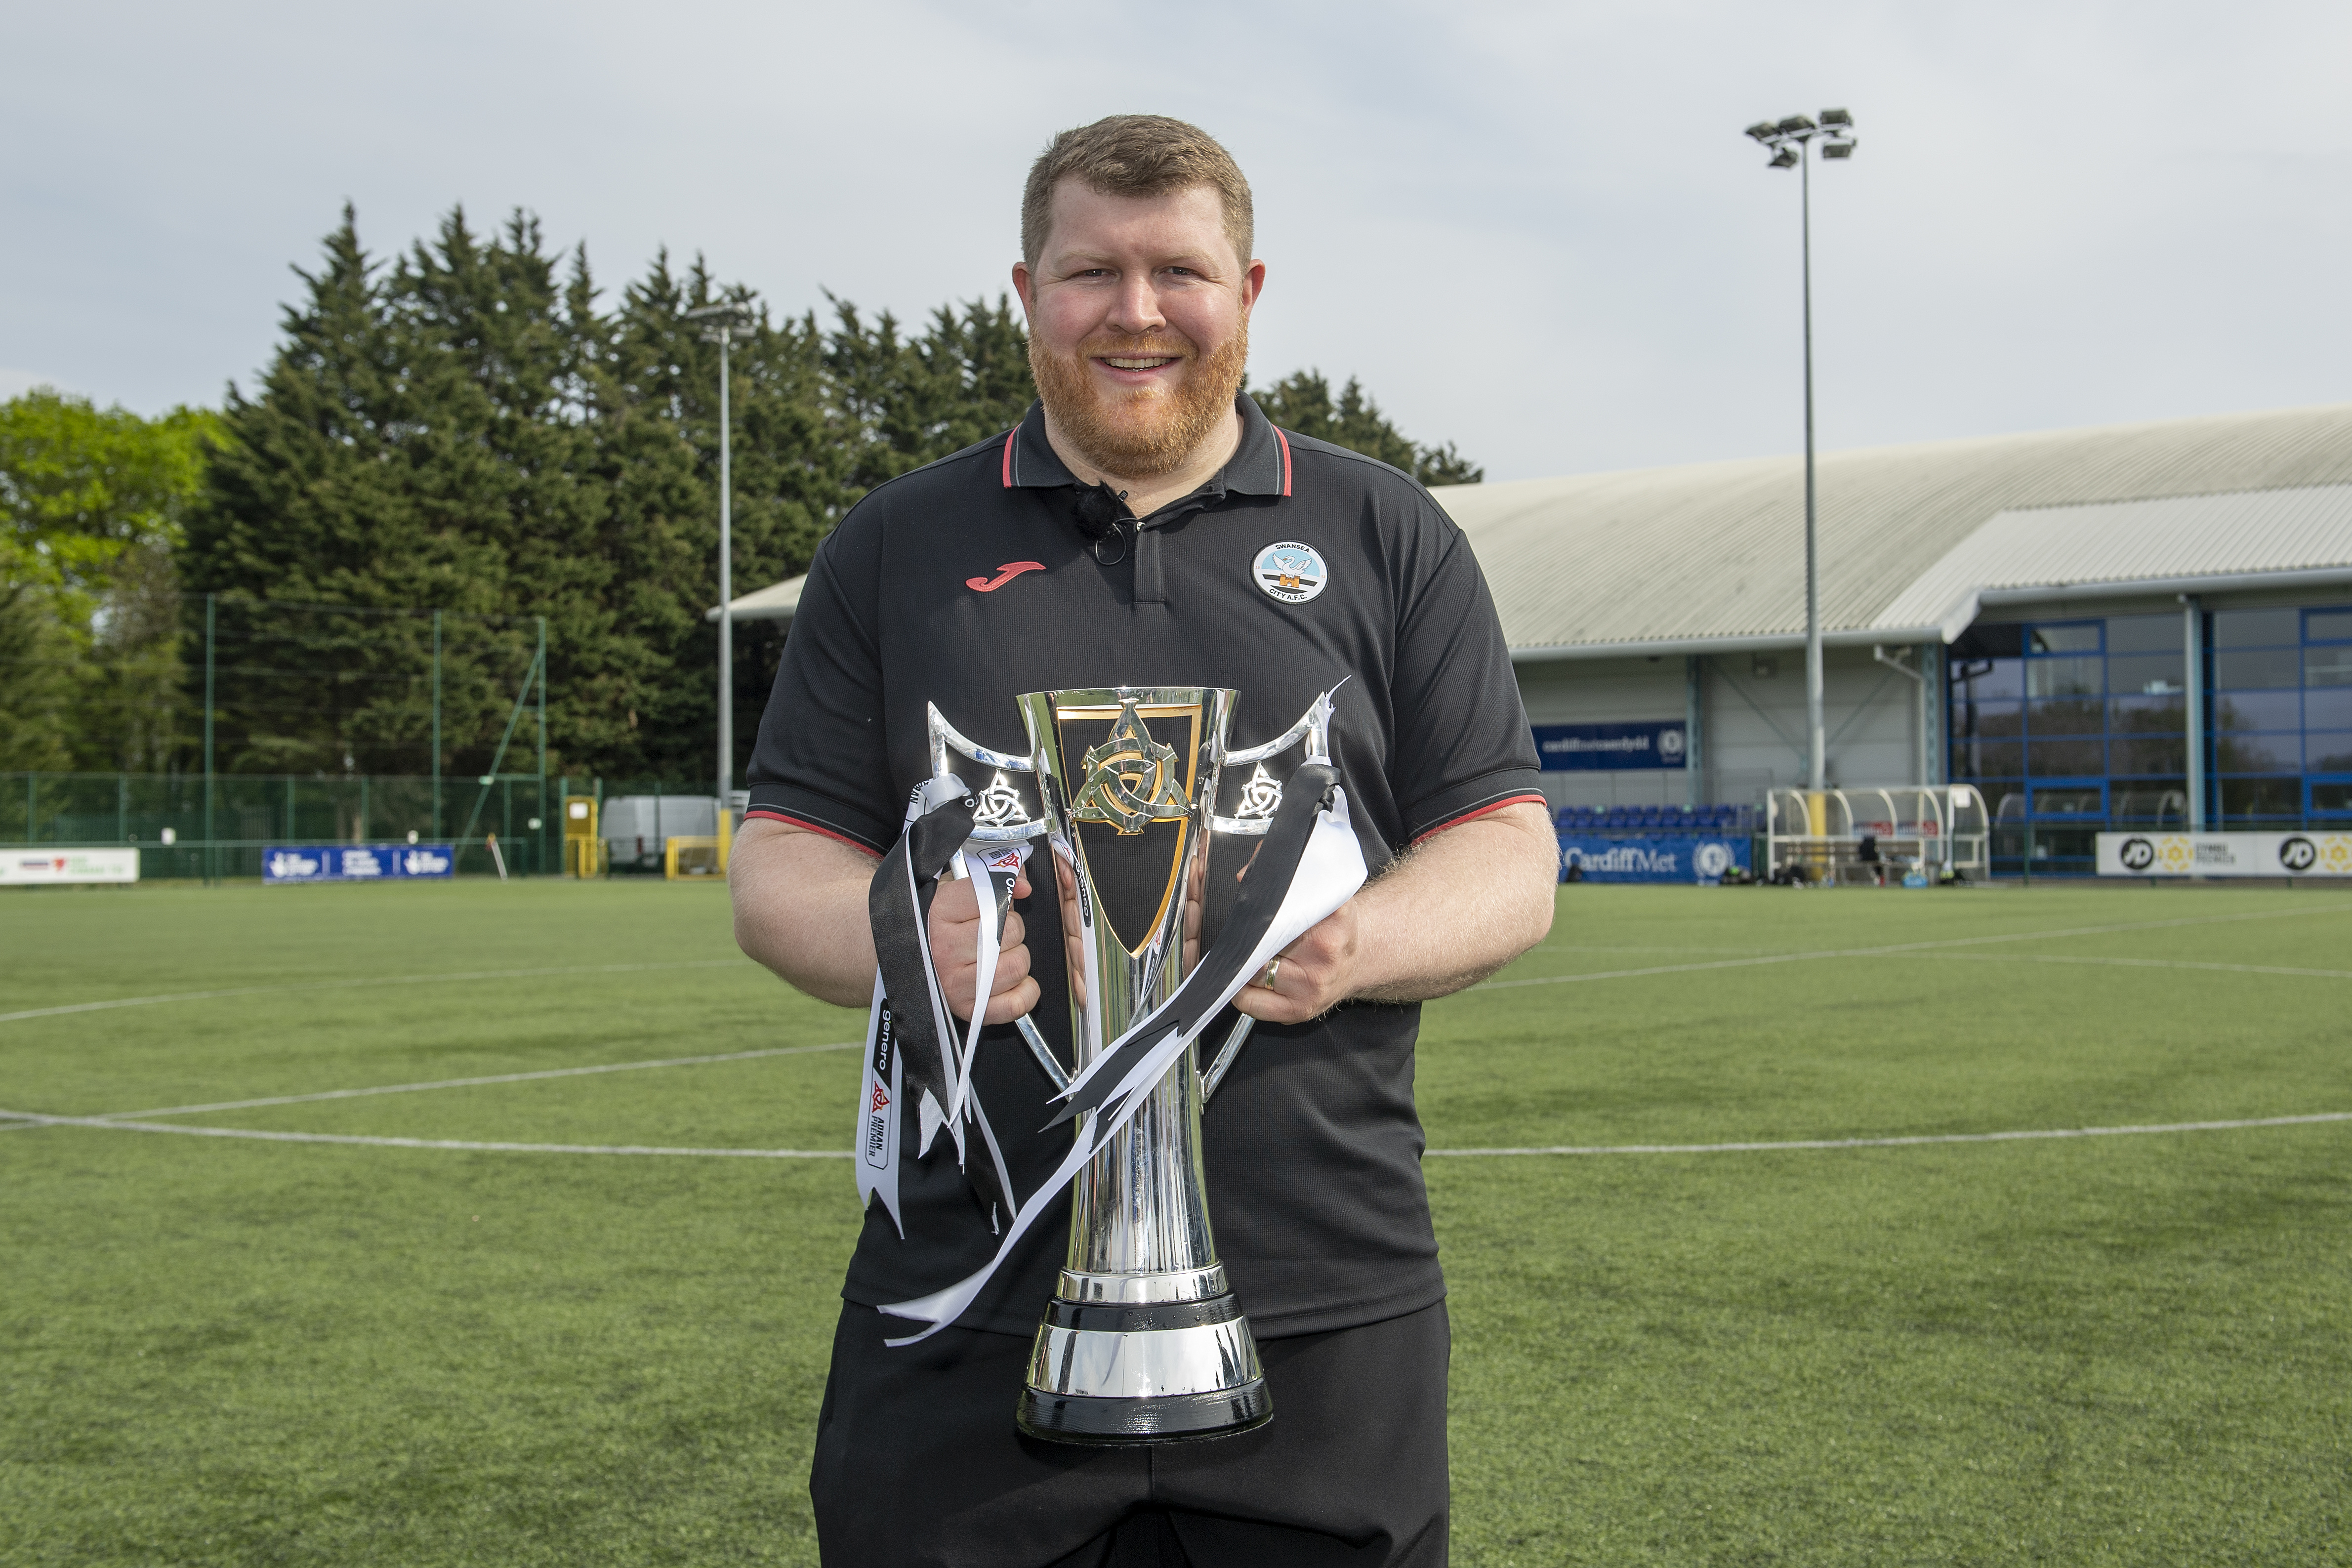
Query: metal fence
x=184 y=829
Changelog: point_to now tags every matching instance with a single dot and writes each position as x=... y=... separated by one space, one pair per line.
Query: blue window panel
x=2328 y=626
x=2327 y=710
x=2254 y=668
x=2073 y=637
x=1983 y=679
x=2327 y=751
x=2327 y=666
x=2145 y=634
x=1989 y=718
x=2257 y=710
x=2273 y=797
x=2149 y=802
x=2071 y=801
x=2330 y=797
x=2068 y=676
x=2139 y=713
x=2150 y=674
x=2257 y=628
x=2258 y=753
x=2066 y=759
x=1975 y=758
x=2065 y=716
x=2136 y=755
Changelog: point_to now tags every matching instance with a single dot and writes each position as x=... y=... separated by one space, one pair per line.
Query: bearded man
x=1145 y=524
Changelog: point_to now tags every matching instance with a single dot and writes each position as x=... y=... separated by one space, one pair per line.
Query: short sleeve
x=822 y=760
x=1463 y=745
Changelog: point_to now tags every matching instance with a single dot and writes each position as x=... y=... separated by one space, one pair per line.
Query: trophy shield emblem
x=1143 y=1341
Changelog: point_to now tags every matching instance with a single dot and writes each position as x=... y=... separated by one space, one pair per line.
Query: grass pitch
x=2126 y=1350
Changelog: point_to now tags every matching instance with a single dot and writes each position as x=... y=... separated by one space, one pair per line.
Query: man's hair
x=1135 y=155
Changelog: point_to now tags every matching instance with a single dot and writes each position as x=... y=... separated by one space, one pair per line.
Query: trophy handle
x=1314 y=728
x=1007 y=828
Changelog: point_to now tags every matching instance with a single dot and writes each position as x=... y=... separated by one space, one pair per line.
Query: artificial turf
x=2126 y=1350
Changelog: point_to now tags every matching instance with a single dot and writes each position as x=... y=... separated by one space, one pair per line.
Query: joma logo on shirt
x=1004 y=574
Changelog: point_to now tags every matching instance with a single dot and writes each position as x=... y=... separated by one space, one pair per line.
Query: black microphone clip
x=1099 y=511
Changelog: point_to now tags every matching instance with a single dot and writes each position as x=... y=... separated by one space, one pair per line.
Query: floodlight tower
x=1789 y=139
x=720 y=325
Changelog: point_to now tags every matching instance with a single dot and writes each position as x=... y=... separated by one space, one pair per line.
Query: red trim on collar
x=1478 y=811
x=1009 y=436
x=1285 y=459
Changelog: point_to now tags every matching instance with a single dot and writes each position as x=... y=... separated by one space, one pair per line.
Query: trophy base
x=1158 y=1372
x=1164 y=1418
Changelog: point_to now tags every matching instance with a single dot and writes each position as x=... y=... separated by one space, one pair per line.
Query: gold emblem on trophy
x=1130 y=779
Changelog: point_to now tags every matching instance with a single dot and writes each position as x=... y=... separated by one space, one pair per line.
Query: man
x=1111 y=539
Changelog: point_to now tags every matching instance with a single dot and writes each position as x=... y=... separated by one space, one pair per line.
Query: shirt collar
x=1260 y=465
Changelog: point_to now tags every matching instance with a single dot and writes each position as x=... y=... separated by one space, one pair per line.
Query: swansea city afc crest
x=1289 y=571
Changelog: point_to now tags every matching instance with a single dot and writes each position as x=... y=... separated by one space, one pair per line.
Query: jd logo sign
x=2137 y=854
x=2298 y=853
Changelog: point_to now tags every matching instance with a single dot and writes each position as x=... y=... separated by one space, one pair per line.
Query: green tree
x=1302 y=402
x=92 y=505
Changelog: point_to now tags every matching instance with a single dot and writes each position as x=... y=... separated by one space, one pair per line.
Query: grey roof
x=1913 y=538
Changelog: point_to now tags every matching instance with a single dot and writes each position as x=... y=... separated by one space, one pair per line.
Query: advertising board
x=65 y=867
x=1666 y=857
x=291 y=863
x=2225 y=855
x=1583 y=748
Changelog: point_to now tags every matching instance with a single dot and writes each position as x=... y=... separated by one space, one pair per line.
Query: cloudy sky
x=1533 y=229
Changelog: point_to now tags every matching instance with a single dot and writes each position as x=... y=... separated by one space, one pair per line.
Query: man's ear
x=1021 y=286
x=1253 y=285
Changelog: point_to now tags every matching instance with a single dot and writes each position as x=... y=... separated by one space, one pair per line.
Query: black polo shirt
x=966 y=582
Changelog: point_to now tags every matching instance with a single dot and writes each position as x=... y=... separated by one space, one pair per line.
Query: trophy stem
x=1143 y=1341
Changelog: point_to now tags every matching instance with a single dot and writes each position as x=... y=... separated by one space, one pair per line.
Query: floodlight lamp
x=1763 y=131
x=1837 y=149
x=1793 y=124
x=1836 y=117
x=1784 y=158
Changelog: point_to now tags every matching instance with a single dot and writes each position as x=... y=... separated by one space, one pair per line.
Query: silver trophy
x=1133 y=789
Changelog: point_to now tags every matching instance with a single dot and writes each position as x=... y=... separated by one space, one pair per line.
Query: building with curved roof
x=2096 y=625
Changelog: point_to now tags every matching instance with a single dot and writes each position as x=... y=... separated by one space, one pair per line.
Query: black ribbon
x=898 y=903
x=1306 y=793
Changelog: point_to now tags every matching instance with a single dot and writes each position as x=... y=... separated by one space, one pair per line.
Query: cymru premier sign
x=355 y=863
x=1583 y=747
x=2225 y=854
x=58 y=868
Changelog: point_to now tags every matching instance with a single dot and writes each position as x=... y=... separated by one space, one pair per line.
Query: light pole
x=721 y=323
x=1789 y=139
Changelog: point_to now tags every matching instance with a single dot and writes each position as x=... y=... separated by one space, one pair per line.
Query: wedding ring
x=1272 y=970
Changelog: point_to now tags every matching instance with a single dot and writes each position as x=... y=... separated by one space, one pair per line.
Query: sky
x=1534 y=230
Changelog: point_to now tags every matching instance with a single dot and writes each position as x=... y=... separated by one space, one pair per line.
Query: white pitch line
x=29 y=1119
x=2148 y=963
x=370 y=980
x=1899 y=948
x=472 y=1082
x=32 y=1120
x=1901 y=1142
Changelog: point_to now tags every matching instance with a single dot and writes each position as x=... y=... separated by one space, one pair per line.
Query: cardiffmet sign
x=59 y=867
x=2225 y=854
x=355 y=863
x=1584 y=747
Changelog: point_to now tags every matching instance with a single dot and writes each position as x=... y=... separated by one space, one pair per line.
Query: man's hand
x=955 y=952
x=1451 y=912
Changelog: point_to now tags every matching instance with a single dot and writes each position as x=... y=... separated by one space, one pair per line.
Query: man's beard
x=1142 y=434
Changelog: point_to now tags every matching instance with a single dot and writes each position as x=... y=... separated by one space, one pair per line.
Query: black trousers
x=918 y=1462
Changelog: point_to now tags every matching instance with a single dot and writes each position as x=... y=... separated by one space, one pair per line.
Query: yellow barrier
x=692 y=854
